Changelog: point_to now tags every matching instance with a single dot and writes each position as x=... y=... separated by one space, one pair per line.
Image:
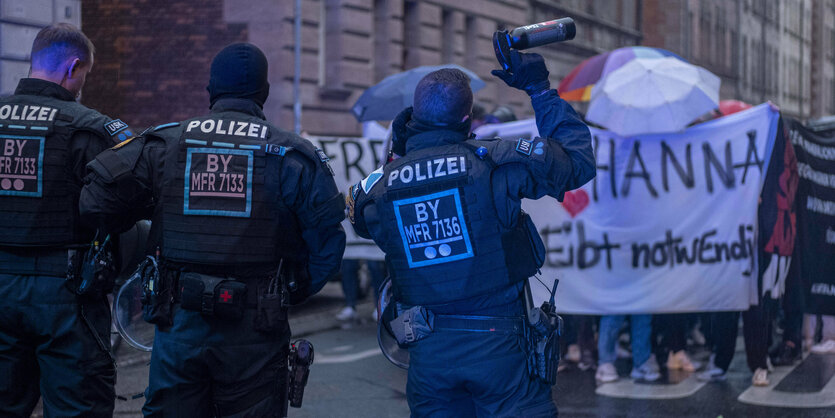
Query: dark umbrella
x=384 y=100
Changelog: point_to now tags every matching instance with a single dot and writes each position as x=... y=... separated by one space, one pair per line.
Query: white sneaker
x=712 y=374
x=680 y=361
x=647 y=371
x=346 y=314
x=573 y=353
x=824 y=347
x=606 y=373
x=760 y=378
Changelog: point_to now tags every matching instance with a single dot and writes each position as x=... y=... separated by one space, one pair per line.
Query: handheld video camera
x=530 y=36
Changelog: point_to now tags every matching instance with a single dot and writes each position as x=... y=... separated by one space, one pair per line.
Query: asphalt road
x=351 y=378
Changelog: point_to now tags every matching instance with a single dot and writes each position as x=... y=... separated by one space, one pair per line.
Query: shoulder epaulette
x=165 y=125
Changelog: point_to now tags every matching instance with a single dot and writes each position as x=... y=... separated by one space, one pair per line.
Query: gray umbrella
x=384 y=100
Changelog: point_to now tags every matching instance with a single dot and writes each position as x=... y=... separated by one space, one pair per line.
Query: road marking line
x=627 y=388
x=347 y=358
x=767 y=396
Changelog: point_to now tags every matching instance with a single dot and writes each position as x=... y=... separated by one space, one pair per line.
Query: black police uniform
x=50 y=341
x=448 y=216
x=234 y=198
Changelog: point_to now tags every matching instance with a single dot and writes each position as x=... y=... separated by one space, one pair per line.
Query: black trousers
x=756 y=332
x=52 y=346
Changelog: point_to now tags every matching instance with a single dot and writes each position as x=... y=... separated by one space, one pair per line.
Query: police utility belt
x=223 y=298
x=541 y=331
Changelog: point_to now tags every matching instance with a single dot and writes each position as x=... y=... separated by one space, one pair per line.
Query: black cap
x=239 y=71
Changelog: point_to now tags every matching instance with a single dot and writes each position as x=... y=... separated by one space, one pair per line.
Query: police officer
x=447 y=214
x=52 y=341
x=242 y=211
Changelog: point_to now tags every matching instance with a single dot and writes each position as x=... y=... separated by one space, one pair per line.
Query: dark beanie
x=239 y=71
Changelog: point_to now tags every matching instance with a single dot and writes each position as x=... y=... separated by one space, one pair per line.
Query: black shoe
x=786 y=355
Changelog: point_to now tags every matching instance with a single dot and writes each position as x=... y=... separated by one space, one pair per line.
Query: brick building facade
x=153 y=55
x=152 y=64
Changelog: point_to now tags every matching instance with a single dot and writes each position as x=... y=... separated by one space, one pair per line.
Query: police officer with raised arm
x=54 y=336
x=247 y=219
x=448 y=216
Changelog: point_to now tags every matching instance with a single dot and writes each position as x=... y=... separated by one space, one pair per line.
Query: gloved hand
x=399 y=133
x=527 y=72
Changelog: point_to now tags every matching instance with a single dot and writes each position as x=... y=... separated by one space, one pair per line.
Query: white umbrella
x=653 y=96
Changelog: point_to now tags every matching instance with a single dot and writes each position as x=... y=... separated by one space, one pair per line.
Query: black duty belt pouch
x=212 y=296
x=271 y=315
x=524 y=250
x=544 y=346
x=157 y=292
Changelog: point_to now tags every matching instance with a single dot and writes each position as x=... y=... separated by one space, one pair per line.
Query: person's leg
x=435 y=385
x=250 y=380
x=19 y=391
x=726 y=326
x=350 y=281
x=179 y=384
x=641 y=345
x=78 y=374
x=828 y=329
x=377 y=270
x=755 y=327
x=609 y=329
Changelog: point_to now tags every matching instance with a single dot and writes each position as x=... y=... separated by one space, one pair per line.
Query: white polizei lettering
x=463 y=164
x=392 y=176
x=207 y=126
x=452 y=165
x=253 y=130
x=15 y=116
x=5 y=111
x=429 y=169
x=52 y=115
x=224 y=159
x=263 y=131
x=418 y=175
x=434 y=208
x=439 y=167
x=241 y=131
x=219 y=129
x=420 y=212
x=191 y=125
x=43 y=114
x=23 y=112
x=33 y=113
x=403 y=177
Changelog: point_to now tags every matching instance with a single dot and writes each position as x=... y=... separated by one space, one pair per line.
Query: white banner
x=352 y=159
x=667 y=225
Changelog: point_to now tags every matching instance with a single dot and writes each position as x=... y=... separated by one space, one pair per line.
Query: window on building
x=411 y=34
x=382 y=59
x=447 y=37
x=470 y=41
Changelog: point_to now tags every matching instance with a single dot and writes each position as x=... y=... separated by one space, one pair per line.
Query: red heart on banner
x=575 y=202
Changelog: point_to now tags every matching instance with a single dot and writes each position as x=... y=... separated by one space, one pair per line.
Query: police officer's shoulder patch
x=524 y=146
x=115 y=126
x=372 y=179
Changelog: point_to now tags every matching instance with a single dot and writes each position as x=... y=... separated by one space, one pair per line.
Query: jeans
x=350 y=279
x=641 y=330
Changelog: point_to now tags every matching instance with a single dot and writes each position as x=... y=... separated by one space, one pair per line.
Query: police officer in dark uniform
x=447 y=214
x=53 y=342
x=242 y=212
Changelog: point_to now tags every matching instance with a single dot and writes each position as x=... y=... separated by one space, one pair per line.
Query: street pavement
x=351 y=378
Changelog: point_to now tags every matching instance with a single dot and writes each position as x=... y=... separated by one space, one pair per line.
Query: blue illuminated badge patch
x=21 y=165
x=433 y=228
x=218 y=182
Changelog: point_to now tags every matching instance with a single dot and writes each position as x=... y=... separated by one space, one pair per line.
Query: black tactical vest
x=222 y=204
x=441 y=235
x=38 y=198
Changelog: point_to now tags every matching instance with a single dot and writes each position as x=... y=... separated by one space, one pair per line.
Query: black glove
x=527 y=72
x=399 y=133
